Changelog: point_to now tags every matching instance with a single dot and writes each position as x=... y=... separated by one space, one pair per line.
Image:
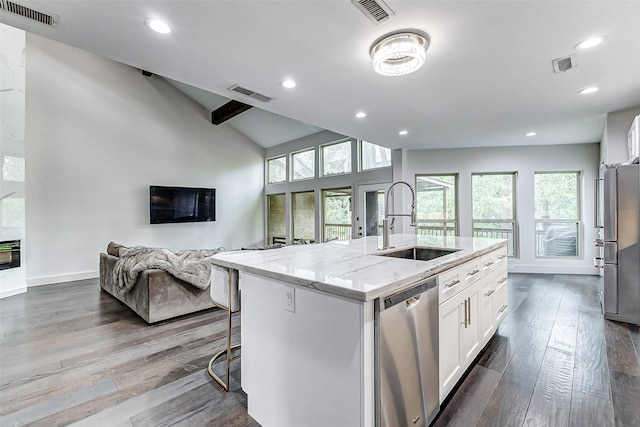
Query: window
x=436 y=204
x=303 y=165
x=304 y=216
x=276 y=219
x=277 y=170
x=336 y=214
x=557 y=214
x=336 y=158
x=493 y=206
x=12 y=215
x=13 y=169
x=374 y=156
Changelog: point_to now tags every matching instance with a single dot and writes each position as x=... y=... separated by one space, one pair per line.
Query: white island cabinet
x=308 y=315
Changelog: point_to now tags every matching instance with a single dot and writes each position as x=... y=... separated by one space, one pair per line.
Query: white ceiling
x=488 y=78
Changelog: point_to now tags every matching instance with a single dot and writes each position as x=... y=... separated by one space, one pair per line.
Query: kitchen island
x=308 y=333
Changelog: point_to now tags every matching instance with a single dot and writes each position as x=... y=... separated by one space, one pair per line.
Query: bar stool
x=224 y=294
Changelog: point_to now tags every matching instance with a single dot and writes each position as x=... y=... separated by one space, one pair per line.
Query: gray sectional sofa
x=156 y=295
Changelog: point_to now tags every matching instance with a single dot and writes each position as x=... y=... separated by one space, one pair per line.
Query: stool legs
x=228 y=350
x=227 y=353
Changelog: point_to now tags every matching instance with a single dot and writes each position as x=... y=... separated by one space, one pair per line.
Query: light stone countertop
x=351 y=268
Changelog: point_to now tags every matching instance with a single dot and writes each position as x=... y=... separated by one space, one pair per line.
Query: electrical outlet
x=290 y=299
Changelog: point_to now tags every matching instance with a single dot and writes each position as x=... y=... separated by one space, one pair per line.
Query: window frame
x=445 y=222
x=269 y=238
x=292 y=164
x=361 y=167
x=514 y=212
x=322 y=172
x=577 y=221
x=293 y=215
x=286 y=169
x=323 y=224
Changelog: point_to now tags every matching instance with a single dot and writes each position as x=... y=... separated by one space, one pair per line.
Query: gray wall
x=98 y=134
x=525 y=161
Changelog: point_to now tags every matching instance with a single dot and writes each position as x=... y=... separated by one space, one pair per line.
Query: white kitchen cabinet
x=459 y=336
x=472 y=305
x=485 y=310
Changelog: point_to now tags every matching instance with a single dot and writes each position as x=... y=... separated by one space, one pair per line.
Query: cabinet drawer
x=500 y=304
x=457 y=279
x=487 y=263
x=500 y=279
x=500 y=257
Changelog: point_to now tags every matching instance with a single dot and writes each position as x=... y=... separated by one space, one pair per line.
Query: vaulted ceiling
x=487 y=81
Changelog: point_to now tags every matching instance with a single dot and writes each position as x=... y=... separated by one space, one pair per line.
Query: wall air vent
x=30 y=13
x=561 y=65
x=250 y=93
x=376 y=11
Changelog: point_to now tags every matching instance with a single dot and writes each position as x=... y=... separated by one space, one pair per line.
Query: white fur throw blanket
x=192 y=266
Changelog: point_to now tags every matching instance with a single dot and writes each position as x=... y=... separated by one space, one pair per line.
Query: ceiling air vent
x=30 y=13
x=561 y=65
x=250 y=93
x=376 y=11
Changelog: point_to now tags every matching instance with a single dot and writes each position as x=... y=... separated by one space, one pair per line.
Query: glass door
x=371 y=201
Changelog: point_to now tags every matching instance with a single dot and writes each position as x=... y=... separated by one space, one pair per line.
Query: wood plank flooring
x=71 y=354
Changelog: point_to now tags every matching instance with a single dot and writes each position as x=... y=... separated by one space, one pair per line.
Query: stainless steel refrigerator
x=618 y=217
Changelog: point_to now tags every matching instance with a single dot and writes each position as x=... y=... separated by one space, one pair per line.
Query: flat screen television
x=181 y=204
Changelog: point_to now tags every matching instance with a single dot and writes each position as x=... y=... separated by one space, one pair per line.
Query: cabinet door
x=485 y=312
x=469 y=327
x=449 y=342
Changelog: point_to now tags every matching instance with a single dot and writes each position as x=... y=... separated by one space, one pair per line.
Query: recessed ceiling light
x=591 y=42
x=587 y=90
x=158 y=26
x=289 y=84
x=403 y=132
x=531 y=134
x=361 y=114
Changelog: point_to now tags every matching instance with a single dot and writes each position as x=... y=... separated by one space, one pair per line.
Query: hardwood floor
x=73 y=355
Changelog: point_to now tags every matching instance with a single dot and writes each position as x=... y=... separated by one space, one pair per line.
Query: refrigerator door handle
x=596 y=203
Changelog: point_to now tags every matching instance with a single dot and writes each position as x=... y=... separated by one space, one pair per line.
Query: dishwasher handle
x=410 y=293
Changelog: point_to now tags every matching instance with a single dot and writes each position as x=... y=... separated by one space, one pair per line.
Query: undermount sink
x=419 y=253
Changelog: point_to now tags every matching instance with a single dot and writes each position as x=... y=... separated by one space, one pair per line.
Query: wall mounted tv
x=181 y=204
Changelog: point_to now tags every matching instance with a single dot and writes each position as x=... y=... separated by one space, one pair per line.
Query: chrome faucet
x=388 y=225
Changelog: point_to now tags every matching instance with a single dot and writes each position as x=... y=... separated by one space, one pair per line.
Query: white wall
x=12 y=186
x=525 y=161
x=98 y=134
x=613 y=148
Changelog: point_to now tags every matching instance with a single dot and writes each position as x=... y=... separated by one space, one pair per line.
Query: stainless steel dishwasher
x=406 y=357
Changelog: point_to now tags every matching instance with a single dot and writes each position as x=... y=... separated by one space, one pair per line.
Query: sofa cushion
x=113 y=249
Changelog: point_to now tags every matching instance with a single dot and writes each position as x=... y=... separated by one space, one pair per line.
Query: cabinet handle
x=469 y=305
x=471 y=273
x=488 y=264
x=503 y=308
x=449 y=285
x=488 y=293
x=503 y=256
x=465 y=313
x=502 y=280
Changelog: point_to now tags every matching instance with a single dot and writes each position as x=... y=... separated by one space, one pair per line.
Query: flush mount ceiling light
x=588 y=90
x=531 y=134
x=591 y=42
x=361 y=114
x=403 y=132
x=158 y=26
x=399 y=54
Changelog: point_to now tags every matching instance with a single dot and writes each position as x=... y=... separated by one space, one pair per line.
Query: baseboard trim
x=12 y=292
x=50 y=280
x=552 y=269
